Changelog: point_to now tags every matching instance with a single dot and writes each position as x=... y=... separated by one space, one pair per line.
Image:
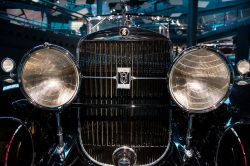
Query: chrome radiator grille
x=136 y=117
x=99 y=61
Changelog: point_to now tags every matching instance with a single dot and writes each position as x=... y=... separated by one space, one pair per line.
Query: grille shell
x=137 y=117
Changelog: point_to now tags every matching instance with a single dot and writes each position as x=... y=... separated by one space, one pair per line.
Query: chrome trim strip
x=148 y=78
x=96 y=77
x=132 y=78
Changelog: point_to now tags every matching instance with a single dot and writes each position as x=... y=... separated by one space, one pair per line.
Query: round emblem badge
x=124 y=31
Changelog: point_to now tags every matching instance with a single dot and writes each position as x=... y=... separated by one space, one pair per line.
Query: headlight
x=200 y=79
x=243 y=66
x=49 y=76
x=7 y=65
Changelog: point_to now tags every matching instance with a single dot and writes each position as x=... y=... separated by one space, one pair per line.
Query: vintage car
x=123 y=100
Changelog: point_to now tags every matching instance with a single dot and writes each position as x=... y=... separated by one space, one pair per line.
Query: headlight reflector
x=49 y=76
x=200 y=79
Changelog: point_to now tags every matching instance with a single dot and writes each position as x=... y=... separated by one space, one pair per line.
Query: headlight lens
x=199 y=80
x=49 y=76
x=8 y=65
x=243 y=67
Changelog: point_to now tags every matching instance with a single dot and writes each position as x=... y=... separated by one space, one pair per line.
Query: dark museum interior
x=125 y=82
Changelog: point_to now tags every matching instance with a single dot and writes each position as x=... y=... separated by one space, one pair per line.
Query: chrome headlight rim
x=226 y=96
x=70 y=57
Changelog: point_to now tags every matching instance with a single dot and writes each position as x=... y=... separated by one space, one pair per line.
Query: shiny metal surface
x=233 y=146
x=146 y=53
x=16 y=144
x=148 y=132
x=49 y=77
x=243 y=67
x=199 y=80
x=105 y=123
x=98 y=23
x=124 y=156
